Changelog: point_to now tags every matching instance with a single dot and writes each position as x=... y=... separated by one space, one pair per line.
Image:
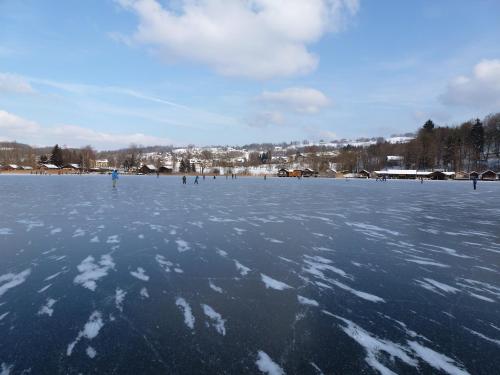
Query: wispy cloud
x=15 y=83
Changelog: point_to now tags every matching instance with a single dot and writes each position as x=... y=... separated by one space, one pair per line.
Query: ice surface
x=262 y=261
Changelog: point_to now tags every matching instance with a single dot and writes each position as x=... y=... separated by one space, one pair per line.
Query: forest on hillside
x=472 y=145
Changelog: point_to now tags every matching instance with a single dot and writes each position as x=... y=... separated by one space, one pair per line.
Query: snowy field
x=248 y=276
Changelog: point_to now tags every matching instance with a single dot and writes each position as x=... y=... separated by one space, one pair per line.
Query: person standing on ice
x=184 y=180
x=114 y=177
x=474 y=182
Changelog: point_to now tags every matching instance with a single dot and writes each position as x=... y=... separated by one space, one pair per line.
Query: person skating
x=114 y=177
x=196 y=180
x=184 y=179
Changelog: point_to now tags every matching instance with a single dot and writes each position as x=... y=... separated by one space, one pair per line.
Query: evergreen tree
x=56 y=157
x=429 y=125
x=477 y=140
x=43 y=159
x=182 y=166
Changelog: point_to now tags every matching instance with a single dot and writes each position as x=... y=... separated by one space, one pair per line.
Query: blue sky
x=110 y=73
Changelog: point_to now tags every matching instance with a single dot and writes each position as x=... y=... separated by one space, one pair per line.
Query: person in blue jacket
x=114 y=177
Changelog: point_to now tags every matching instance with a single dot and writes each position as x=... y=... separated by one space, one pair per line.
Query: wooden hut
x=283 y=172
x=147 y=169
x=488 y=175
x=295 y=173
x=166 y=169
x=308 y=172
x=473 y=175
x=364 y=174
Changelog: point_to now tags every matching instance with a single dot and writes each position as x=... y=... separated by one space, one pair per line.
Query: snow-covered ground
x=248 y=276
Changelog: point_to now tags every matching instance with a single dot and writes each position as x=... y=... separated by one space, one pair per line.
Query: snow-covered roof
x=26 y=167
x=50 y=166
x=394 y=158
x=14 y=166
x=404 y=172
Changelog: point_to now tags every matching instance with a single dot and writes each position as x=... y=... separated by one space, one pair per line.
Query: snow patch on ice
x=5 y=369
x=216 y=318
x=119 y=298
x=113 y=239
x=266 y=365
x=437 y=360
x=306 y=301
x=215 y=287
x=271 y=283
x=90 y=331
x=140 y=274
x=91 y=272
x=55 y=230
x=484 y=337
x=144 y=293
x=182 y=246
x=47 y=308
x=187 y=311
x=434 y=286
x=360 y=294
x=243 y=270
x=79 y=233
x=163 y=263
x=91 y=352
x=375 y=346
x=11 y=280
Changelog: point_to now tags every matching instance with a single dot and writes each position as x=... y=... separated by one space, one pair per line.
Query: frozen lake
x=248 y=276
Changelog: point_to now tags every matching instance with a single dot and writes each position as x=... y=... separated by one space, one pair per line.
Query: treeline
x=473 y=145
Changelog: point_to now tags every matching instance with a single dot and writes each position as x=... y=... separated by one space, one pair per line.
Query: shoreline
x=210 y=176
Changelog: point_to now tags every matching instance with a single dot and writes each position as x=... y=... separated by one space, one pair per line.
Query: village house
x=101 y=164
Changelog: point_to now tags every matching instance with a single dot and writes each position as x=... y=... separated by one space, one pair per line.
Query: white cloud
x=298 y=99
x=252 y=38
x=14 y=83
x=17 y=128
x=10 y=123
x=479 y=90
